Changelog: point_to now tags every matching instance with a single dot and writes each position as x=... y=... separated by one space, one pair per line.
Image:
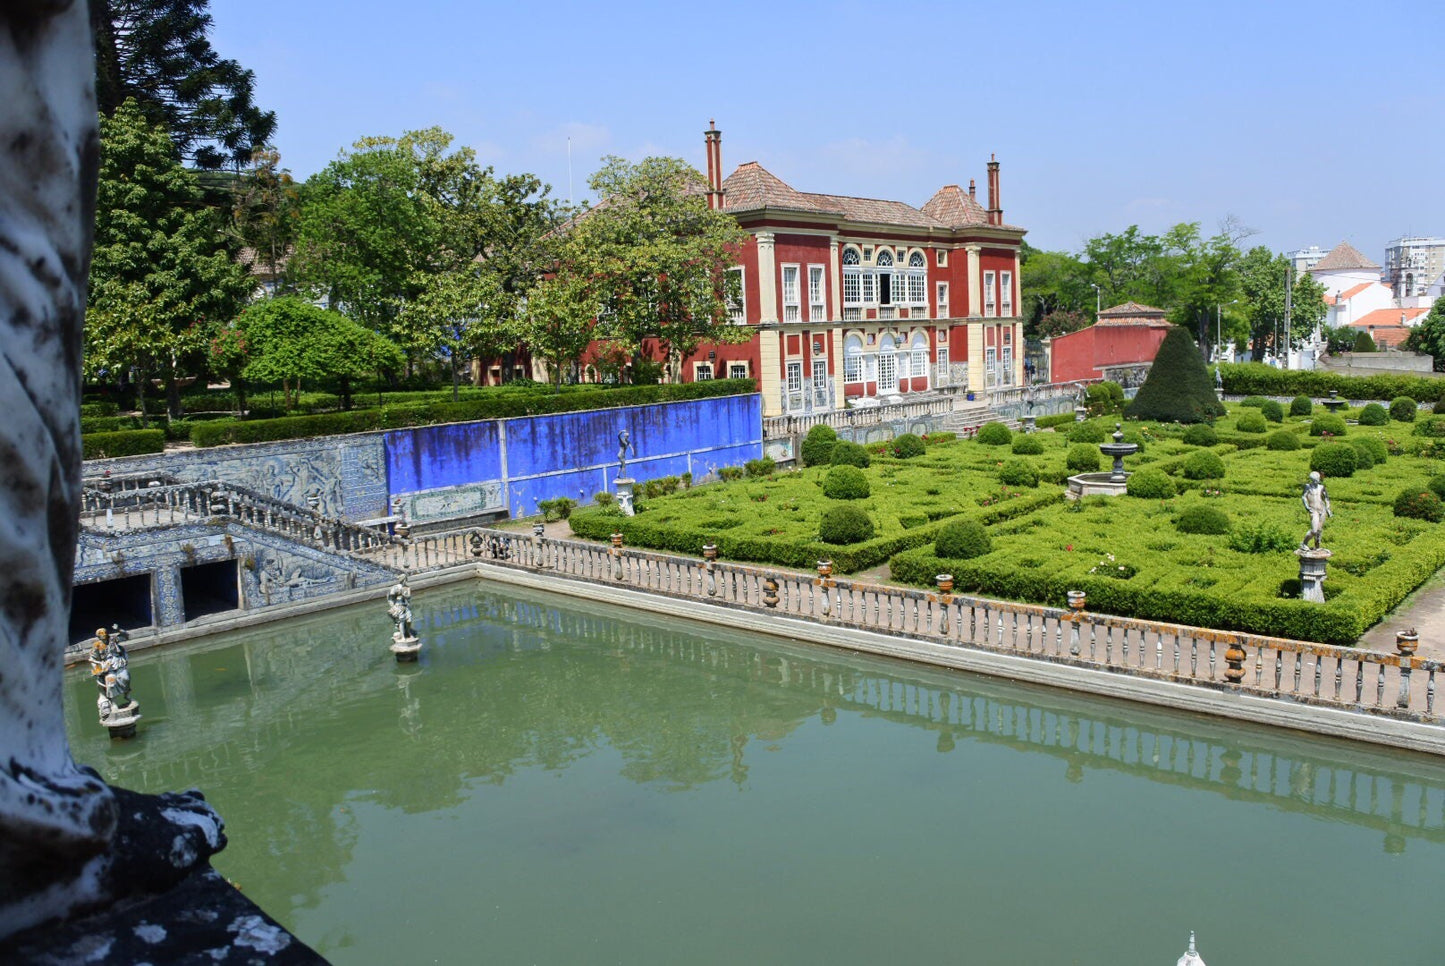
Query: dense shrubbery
x=847 y=453
x=763 y=466
x=994 y=434
x=1150 y=484
x=962 y=540
x=498 y=406
x=1438 y=407
x=1027 y=444
x=1301 y=406
x=1178 y=388
x=1403 y=409
x=1373 y=446
x=1364 y=455
x=1018 y=472
x=1090 y=432
x=101 y=408
x=559 y=509
x=1251 y=423
x=817 y=448
x=1432 y=427
x=1374 y=415
x=1260 y=538
x=1104 y=398
x=1057 y=419
x=1202 y=518
x=1258 y=378
x=846 y=483
x=1083 y=458
x=1272 y=411
x=1203 y=464
x=908 y=446
x=1328 y=423
x=1283 y=439
x=1419 y=505
x=1253 y=402
x=100 y=446
x=1201 y=434
x=844 y=524
x=1334 y=460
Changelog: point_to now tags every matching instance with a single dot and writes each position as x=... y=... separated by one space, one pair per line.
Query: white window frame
x=1008 y=365
x=941 y=378
x=738 y=308
x=941 y=257
x=820 y=372
x=942 y=290
x=1006 y=294
x=887 y=367
x=990 y=363
x=903 y=364
x=990 y=295
x=852 y=359
x=817 y=286
x=883 y=264
x=920 y=357
x=917 y=279
x=794 y=370
x=792 y=295
x=702 y=372
x=852 y=277
x=738 y=369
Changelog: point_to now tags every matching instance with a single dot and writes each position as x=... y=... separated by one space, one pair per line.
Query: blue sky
x=1311 y=123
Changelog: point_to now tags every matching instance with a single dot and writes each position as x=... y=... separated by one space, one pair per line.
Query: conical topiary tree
x=1178 y=389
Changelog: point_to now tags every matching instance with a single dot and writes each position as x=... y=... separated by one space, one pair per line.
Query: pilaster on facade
x=767 y=278
x=770 y=367
x=835 y=281
x=975 y=279
x=835 y=353
x=977 y=377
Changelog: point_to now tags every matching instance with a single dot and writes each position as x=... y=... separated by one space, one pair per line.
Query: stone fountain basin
x=1096 y=484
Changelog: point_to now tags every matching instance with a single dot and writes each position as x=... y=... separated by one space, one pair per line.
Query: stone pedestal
x=1081 y=414
x=1028 y=424
x=624 y=496
x=405 y=648
x=121 y=722
x=1312 y=566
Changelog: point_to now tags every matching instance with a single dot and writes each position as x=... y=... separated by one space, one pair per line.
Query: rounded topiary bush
x=1328 y=423
x=846 y=483
x=817 y=447
x=1403 y=409
x=1018 y=472
x=1334 y=460
x=1420 y=505
x=1201 y=434
x=1203 y=464
x=1150 y=484
x=908 y=445
x=1251 y=422
x=1272 y=411
x=1027 y=445
x=1432 y=427
x=847 y=453
x=1374 y=415
x=961 y=540
x=1301 y=406
x=1282 y=439
x=1372 y=446
x=1253 y=402
x=1437 y=486
x=1083 y=458
x=1364 y=457
x=994 y=434
x=845 y=523
x=1439 y=406
x=1088 y=433
x=1201 y=518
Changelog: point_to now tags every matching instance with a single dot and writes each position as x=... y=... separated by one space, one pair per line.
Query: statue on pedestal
x=624 y=443
x=1316 y=500
x=404 y=642
x=111 y=669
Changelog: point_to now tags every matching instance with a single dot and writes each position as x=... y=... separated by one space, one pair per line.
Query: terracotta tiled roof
x=952 y=206
x=1132 y=313
x=752 y=186
x=1388 y=336
x=1387 y=318
x=1342 y=258
x=877 y=211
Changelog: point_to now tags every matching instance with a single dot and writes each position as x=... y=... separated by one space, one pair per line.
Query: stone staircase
x=969 y=416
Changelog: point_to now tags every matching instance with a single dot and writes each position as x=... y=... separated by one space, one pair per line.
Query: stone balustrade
x=1392 y=685
x=776 y=427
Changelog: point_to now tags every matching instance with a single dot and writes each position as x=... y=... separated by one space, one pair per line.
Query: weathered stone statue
x=624 y=443
x=398 y=600
x=110 y=666
x=70 y=845
x=1316 y=500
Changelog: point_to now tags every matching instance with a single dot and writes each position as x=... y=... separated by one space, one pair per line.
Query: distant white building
x=1413 y=265
x=1304 y=259
x=1345 y=267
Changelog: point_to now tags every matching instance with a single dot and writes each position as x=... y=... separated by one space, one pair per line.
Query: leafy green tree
x=1178 y=389
x=1061 y=322
x=163 y=273
x=559 y=324
x=1428 y=335
x=288 y=342
x=264 y=211
x=1055 y=282
x=157 y=52
x=654 y=257
x=460 y=314
x=1363 y=342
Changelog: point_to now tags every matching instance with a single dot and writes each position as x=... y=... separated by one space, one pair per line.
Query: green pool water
x=563 y=782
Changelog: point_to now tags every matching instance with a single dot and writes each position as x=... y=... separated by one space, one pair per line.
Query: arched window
x=852 y=277
x=852 y=359
x=920 y=356
x=889 y=293
x=917 y=279
x=887 y=365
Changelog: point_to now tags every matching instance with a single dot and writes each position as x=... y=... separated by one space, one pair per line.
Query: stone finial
x=1191 y=955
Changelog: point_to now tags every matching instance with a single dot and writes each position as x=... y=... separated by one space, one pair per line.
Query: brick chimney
x=713 y=141
x=995 y=211
x=972 y=189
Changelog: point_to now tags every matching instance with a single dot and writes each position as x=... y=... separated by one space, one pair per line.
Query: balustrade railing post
x=824 y=585
x=770 y=591
x=709 y=562
x=1077 y=599
x=945 y=600
x=616 y=552
x=538 y=538
x=1234 y=658
x=1406 y=642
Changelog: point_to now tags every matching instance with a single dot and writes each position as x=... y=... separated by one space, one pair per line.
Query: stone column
x=770 y=361
x=975 y=282
x=767 y=279
x=975 y=356
x=169 y=608
x=835 y=279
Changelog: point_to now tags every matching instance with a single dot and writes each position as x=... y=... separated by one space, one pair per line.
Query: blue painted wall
x=571 y=454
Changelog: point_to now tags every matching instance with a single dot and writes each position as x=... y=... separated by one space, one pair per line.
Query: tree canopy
x=654 y=258
x=287 y=341
x=1428 y=335
x=157 y=52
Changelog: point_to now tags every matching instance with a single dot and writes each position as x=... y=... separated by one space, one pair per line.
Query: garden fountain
x=1111 y=483
x=1334 y=403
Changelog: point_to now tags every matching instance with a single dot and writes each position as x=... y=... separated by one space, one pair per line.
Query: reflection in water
x=301 y=733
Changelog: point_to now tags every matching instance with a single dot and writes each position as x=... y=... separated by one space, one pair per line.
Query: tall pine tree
x=1178 y=389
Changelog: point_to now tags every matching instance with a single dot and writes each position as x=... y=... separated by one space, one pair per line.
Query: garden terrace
x=1128 y=553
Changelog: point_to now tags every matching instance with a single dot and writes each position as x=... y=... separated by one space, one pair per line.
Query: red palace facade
x=856 y=299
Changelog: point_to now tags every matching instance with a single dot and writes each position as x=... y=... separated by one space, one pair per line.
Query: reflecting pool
x=564 y=782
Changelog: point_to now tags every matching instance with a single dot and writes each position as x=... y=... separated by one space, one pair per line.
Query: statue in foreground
x=71 y=846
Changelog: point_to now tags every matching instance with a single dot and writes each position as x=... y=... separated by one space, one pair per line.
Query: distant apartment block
x=1413 y=265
